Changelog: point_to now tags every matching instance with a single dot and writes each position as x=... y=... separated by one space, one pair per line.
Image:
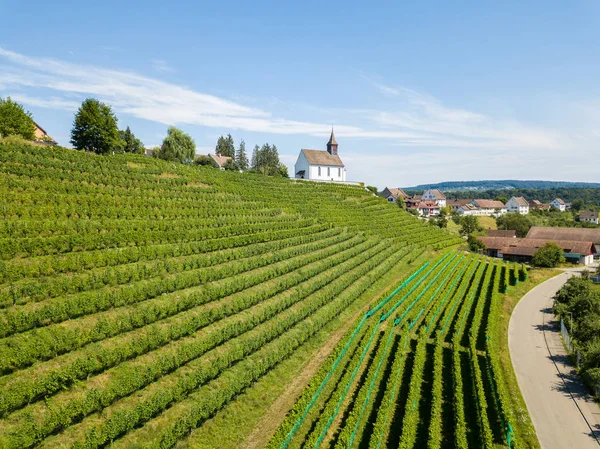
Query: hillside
x=139 y=297
x=501 y=185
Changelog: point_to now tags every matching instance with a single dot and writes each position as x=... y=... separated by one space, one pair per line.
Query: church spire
x=332 y=145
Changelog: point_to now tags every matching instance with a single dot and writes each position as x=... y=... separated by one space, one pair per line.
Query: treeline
x=502 y=185
x=589 y=195
x=264 y=159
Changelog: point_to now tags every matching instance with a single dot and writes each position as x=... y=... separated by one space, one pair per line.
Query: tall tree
x=95 y=128
x=241 y=157
x=177 y=147
x=225 y=146
x=14 y=120
x=254 y=161
x=130 y=143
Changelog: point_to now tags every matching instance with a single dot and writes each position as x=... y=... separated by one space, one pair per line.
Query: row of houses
x=579 y=245
x=431 y=202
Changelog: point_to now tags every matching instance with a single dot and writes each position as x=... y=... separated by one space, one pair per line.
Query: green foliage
x=225 y=146
x=514 y=222
x=15 y=121
x=177 y=147
x=241 y=157
x=130 y=143
x=475 y=244
x=265 y=160
x=372 y=189
x=282 y=170
x=469 y=224
x=550 y=255
x=95 y=128
x=206 y=161
x=400 y=202
x=231 y=165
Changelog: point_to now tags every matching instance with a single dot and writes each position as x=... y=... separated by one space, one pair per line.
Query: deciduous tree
x=15 y=121
x=177 y=147
x=95 y=128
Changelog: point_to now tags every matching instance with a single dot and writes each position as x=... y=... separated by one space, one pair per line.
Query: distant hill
x=502 y=185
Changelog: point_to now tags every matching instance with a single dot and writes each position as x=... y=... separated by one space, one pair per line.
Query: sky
x=417 y=92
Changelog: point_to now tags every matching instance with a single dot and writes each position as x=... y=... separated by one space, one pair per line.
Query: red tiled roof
x=517 y=246
x=579 y=234
x=522 y=202
x=501 y=233
x=489 y=204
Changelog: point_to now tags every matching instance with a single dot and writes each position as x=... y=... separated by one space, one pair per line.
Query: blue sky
x=416 y=91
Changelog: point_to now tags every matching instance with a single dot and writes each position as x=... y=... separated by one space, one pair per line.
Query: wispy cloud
x=161 y=65
x=414 y=119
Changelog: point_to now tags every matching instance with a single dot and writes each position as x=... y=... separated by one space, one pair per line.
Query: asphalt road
x=563 y=413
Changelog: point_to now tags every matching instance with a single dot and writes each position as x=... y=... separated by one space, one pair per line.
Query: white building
x=392 y=194
x=490 y=208
x=434 y=195
x=588 y=216
x=518 y=205
x=559 y=204
x=428 y=208
x=321 y=165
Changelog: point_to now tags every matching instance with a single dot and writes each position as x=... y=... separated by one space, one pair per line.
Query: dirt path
x=275 y=414
x=563 y=413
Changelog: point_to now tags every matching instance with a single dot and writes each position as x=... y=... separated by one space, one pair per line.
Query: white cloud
x=417 y=120
x=161 y=65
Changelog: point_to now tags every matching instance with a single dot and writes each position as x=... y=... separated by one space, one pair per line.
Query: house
x=490 y=207
x=502 y=233
x=588 y=216
x=42 y=136
x=321 y=165
x=220 y=160
x=518 y=205
x=428 y=208
x=393 y=194
x=468 y=209
x=522 y=249
x=559 y=204
x=536 y=204
x=412 y=201
x=435 y=195
x=576 y=234
x=455 y=204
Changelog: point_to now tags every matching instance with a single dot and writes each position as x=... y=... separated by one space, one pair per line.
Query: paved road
x=563 y=414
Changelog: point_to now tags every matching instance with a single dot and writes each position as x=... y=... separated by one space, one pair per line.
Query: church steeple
x=332 y=145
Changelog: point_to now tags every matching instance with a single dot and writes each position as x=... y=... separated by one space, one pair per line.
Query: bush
x=475 y=244
x=231 y=165
x=549 y=255
x=206 y=161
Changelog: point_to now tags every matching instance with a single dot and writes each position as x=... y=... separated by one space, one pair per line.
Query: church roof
x=332 y=140
x=321 y=157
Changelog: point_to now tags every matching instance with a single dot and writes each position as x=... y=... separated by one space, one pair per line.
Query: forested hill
x=502 y=185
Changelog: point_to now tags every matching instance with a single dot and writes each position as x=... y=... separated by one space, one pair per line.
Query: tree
x=225 y=146
x=282 y=171
x=373 y=189
x=231 y=165
x=503 y=199
x=130 y=143
x=475 y=244
x=577 y=205
x=400 y=202
x=469 y=224
x=514 y=222
x=206 y=161
x=265 y=160
x=549 y=255
x=177 y=147
x=242 y=158
x=15 y=121
x=95 y=128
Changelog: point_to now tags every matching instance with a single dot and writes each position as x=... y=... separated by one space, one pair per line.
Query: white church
x=321 y=165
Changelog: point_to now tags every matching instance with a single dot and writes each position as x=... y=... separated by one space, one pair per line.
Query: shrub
x=549 y=255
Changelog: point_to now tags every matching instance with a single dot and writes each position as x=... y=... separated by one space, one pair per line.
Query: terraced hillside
x=139 y=298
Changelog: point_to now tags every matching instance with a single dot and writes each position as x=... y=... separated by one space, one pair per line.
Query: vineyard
x=420 y=369
x=138 y=298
